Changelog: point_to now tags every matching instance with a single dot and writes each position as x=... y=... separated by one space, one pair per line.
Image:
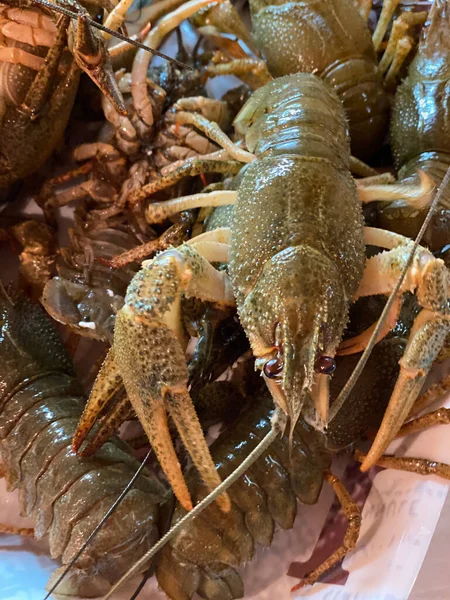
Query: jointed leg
x=428 y=278
x=387 y=12
x=159 y=211
x=214 y=133
x=212 y=109
x=426 y=338
x=399 y=43
x=436 y=391
x=149 y=355
x=173 y=236
x=421 y=466
x=91 y=55
x=353 y=515
x=417 y=196
x=378 y=278
x=190 y=169
x=40 y=89
x=360 y=168
x=242 y=68
x=117 y=17
x=441 y=416
x=404 y=47
x=359 y=342
x=380 y=179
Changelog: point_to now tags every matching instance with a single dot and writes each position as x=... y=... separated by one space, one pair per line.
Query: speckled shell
x=420 y=121
x=27 y=140
x=297 y=224
x=291 y=201
x=330 y=39
x=420 y=130
x=67 y=496
x=203 y=558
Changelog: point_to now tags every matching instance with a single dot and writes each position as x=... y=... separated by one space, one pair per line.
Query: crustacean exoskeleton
x=40 y=80
x=330 y=39
x=420 y=130
x=296 y=204
x=108 y=238
x=205 y=555
x=65 y=495
x=40 y=76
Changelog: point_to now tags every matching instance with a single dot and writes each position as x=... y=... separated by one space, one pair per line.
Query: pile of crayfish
x=271 y=259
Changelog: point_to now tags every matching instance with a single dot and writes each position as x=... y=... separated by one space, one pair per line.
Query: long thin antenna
x=99 y=526
x=278 y=421
x=74 y=15
x=367 y=352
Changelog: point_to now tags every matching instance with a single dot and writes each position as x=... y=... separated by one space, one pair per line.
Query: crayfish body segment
x=330 y=39
x=67 y=496
x=296 y=204
x=40 y=80
x=420 y=130
x=205 y=557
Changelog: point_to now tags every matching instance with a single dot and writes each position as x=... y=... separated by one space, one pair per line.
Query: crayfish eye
x=325 y=365
x=273 y=368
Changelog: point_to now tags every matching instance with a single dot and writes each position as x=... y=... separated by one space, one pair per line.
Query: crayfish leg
x=417 y=196
x=426 y=340
x=441 y=416
x=434 y=392
x=11 y=530
x=150 y=355
x=360 y=342
x=420 y=466
x=353 y=515
x=40 y=90
x=159 y=211
x=93 y=58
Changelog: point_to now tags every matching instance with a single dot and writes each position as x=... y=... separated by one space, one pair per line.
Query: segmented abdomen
x=66 y=495
x=331 y=40
x=420 y=131
x=204 y=557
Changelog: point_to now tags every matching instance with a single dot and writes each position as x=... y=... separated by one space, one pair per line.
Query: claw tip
x=224 y=502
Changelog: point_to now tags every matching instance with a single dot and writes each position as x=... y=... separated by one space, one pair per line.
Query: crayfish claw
x=107 y=384
x=181 y=409
x=92 y=57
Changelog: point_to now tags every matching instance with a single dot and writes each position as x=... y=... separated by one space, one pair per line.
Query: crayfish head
x=295 y=316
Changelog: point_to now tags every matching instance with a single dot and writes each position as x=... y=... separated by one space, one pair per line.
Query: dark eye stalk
x=273 y=368
x=325 y=365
